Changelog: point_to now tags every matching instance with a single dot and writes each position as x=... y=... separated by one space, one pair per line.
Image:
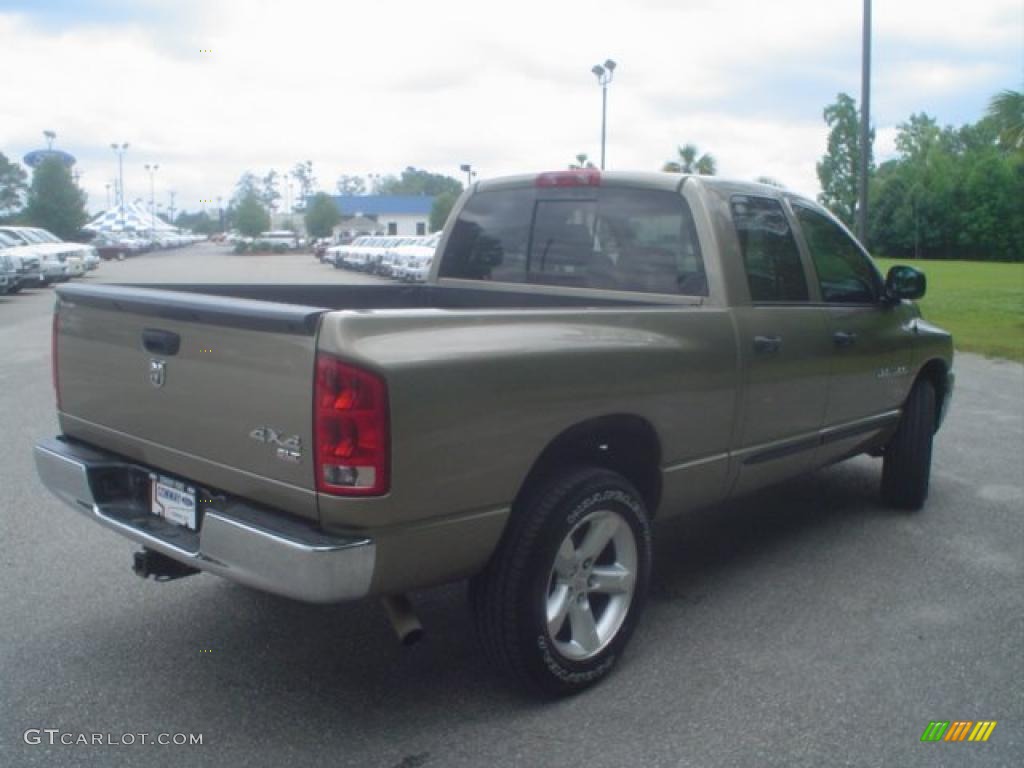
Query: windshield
x=19 y=237
x=44 y=236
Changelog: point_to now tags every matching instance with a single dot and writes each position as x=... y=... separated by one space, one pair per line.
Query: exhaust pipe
x=403 y=619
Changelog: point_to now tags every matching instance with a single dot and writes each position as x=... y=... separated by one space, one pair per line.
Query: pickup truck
x=593 y=352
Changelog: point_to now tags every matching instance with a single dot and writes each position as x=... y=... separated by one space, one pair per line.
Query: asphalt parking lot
x=805 y=626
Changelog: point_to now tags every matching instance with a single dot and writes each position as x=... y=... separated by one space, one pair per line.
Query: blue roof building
x=396 y=214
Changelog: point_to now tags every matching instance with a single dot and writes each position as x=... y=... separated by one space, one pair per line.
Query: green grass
x=980 y=303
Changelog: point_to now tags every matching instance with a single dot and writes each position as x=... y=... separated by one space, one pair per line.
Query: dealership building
x=394 y=214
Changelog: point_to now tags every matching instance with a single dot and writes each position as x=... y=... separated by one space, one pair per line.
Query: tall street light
x=151 y=170
x=865 y=127
x=467 y=169
x=120 y=149
x=604 y=76
x=171 y=208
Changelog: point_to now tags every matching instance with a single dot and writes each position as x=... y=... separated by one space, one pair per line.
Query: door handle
x=160 y=342
x=844 y=338
x=767 y=345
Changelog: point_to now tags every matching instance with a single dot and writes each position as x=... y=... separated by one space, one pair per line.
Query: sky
x=208 y=89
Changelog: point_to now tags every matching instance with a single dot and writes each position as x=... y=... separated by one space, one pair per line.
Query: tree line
x=949 y=193
x=256 y=197
x=53 y=200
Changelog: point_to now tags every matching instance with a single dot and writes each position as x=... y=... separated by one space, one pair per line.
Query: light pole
x=220 y=213
x=865 y=127
x=120 y=149
x=107 y=185
x=49 y=136
x=151 y=170
x=467 y=169
x=170 y=208
x=604 y=76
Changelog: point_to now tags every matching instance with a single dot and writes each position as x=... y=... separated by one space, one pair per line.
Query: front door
x=869 y=363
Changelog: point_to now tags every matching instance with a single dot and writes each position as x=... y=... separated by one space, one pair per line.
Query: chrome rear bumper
x=239 y=541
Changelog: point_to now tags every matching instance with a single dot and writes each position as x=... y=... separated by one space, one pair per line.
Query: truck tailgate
x=213 y=389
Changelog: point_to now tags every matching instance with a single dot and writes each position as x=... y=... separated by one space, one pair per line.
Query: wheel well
x=935 y=372
x=623 y=443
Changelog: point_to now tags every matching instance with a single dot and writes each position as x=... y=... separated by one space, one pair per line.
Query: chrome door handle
x=844 y=338
x=767 y=345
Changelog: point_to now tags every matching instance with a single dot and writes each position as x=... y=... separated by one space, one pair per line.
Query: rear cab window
x=771 y=258
x=610 y=238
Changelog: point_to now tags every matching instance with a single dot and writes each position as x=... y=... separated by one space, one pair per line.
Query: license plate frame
x=173 y=500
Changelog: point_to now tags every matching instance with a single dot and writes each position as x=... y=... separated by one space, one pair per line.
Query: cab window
x=771 y=258
x=609 y=238
x=845 y=273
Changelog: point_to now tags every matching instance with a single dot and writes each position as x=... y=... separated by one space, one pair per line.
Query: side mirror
x=905 y=283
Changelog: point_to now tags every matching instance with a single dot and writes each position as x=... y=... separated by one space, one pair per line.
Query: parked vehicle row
x=275 y=237
x=34 y=257
x=406 y=258
x=121 y=245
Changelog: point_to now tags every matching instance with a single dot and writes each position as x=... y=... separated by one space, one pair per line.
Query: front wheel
x=906 y=468
x=563 y=593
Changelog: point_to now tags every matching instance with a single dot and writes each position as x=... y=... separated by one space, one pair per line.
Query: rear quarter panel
x=476 y=396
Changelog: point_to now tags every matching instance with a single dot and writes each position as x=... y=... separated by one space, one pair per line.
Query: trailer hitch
x=161 y=567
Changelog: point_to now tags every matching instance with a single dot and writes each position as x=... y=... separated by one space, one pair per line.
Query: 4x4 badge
x=157 y=372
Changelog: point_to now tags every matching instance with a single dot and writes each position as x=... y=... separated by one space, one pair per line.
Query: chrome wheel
x=591 y=585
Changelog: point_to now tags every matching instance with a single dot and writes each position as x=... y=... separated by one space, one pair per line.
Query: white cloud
x=376 y=87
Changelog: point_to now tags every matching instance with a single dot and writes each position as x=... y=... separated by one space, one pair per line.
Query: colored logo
x=958 y=730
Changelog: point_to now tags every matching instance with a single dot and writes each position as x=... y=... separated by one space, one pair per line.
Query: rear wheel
x=560 y=598
x=906 y=468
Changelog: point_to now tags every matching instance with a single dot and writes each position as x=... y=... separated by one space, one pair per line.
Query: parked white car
x=284 y=237
x=48 y=242
x=336 y=253
x=416 y=260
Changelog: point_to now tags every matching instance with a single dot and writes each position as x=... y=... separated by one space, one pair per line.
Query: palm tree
x=581 y=163
x=1007 y=111
x=688 y=162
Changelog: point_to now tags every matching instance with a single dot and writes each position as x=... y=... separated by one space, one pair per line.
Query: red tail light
x=54 y=360
x=351 y=430
x=588 y=177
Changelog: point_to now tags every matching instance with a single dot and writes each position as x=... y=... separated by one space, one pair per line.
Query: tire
x=906 y=467
x=551 y=559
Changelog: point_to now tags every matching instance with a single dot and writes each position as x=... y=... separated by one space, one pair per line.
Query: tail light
x=54 y=360
x=351 y=430
x=587 y=177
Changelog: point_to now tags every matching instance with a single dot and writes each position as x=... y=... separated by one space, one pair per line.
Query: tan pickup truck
x=592 y=352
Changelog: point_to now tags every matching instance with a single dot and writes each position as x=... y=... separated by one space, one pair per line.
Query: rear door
x=214 y=389
x=784 y=349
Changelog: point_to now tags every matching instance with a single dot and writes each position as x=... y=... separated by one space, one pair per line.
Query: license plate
x=173 y=500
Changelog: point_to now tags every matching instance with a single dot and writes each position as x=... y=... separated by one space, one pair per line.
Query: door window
x=845 y=273
x=770 y=255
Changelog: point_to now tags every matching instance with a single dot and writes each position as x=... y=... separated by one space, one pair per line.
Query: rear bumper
x=239 y=541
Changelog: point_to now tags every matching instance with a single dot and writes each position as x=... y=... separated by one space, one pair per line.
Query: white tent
x=136 y=219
